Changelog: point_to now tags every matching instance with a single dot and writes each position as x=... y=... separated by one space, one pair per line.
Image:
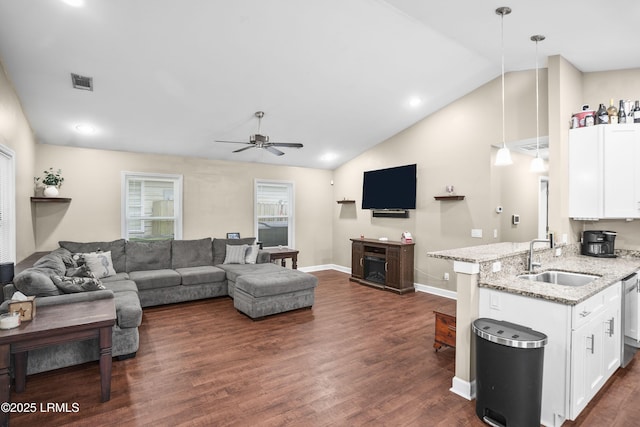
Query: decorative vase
x=51 y=191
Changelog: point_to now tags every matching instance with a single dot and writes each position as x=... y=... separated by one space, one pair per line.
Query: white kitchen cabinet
x=595 y=345
x=604 y=181
x=583 y=348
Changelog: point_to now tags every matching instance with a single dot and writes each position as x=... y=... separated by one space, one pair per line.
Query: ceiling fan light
x=537 y=165
x=503 y=157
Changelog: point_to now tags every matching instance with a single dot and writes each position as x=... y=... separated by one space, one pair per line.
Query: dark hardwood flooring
x=361 y=356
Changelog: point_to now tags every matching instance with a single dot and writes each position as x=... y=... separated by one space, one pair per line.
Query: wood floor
x=361 y=356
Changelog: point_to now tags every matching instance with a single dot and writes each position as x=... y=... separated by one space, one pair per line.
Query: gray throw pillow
x=220 y=247
x=116 y=247
x=252 y=254
x=70 y=285
x=235 y=254
x=191 y=253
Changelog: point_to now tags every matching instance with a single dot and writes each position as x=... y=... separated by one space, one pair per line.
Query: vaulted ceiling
x=172 y=76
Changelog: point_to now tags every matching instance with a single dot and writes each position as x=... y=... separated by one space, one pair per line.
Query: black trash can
x=509 y=361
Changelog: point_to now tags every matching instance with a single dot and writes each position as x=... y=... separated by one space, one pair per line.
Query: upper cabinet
x=604 y=179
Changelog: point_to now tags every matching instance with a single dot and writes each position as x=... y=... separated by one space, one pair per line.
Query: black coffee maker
x=599 y=243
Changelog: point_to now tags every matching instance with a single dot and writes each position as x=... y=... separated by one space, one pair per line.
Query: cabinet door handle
x=361 y=262
x=611 y=329
x=585 y=313
x=385 y=266
x=593 y=340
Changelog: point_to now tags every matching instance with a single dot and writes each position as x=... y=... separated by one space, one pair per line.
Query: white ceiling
x=172 y=76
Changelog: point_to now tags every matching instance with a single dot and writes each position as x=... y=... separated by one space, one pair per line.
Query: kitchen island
x=488 y=286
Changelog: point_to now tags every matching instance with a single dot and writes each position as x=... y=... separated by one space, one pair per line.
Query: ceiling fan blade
x=286 y=144
x=233 y=142
x=245 y=148
x=273 y=150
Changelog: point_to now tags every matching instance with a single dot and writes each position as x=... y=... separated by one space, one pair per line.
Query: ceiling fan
x=262 y=141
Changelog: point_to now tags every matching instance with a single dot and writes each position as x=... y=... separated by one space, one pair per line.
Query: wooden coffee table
x=56 y=325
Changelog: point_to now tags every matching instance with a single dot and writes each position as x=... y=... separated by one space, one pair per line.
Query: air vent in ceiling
x=82 y=82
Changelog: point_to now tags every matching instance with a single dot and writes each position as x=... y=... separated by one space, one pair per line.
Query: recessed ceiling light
x=85 y=129
x=414 y=101
x=328 y=157
x=74 y=3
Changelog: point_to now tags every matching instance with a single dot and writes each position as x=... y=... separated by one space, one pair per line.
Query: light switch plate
x=476 y=232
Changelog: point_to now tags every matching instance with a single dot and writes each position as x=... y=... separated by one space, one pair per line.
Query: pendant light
x=503 y=157
x=537 y=164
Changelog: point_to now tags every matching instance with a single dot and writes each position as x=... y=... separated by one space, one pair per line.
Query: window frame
x=177 y=198
x=291 y=215
x=10 y=191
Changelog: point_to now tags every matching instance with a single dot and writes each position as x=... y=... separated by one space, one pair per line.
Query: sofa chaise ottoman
x=262 y=295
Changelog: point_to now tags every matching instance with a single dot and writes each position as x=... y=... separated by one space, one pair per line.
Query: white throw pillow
x=235 y=254
x=252 y=254
x=99 y=263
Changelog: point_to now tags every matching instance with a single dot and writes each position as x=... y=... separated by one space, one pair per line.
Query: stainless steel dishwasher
x=631 y=326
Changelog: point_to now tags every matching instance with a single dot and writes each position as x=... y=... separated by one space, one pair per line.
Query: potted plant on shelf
x=51 y=181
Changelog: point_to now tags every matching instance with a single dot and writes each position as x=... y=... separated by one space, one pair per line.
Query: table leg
x=20 y=360
x=283 y=262
x=105 y=363
x=294 y=260
x=5 y=381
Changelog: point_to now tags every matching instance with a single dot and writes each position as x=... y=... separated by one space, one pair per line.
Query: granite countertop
x=610 y=270
x=483 y=253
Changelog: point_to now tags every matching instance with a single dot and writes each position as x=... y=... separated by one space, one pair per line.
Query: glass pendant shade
x=537 y=165
x=503 y=157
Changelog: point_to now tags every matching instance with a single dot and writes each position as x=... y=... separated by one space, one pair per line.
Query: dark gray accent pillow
x=51 y=262
x=142 y=256
x=191 y=253
x=71 y=285
x=82 y=271
x=220 y=247
x=36 y=282
x=116 y=248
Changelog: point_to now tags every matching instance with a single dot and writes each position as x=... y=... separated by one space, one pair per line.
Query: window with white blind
x=151 y=206
x=7 y=205
x=274 y=207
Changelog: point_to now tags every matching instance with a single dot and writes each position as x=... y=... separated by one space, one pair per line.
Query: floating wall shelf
x=448 y=197
x=50 y=200
x=342 y=202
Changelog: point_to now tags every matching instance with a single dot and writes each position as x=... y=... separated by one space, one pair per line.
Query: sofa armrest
x=263 y=257
x=65 y=299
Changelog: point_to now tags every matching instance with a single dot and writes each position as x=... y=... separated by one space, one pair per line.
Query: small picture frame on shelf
x=233 y=235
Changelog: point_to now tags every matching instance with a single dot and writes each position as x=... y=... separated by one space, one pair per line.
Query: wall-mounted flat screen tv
x=392 y=188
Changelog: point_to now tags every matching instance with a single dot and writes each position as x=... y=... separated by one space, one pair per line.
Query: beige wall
x=218 y=197
x=16 y=134
x=451 y=147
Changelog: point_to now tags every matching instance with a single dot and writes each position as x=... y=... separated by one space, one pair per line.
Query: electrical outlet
x=476 y=232
x=446 y=276
x=558 y=251
x=496 y=266
x=495 y=233
x=494 y=302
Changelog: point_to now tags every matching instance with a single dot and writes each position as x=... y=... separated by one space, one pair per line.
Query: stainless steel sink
x=563 y=278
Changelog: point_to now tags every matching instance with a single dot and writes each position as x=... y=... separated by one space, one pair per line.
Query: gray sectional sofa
x=144 y=274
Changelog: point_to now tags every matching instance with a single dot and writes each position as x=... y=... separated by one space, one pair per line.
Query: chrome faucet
x=537 y=264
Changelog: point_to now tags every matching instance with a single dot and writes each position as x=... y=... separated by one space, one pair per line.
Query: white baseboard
x=419 y=287
x=435 y=291
x=463 y=388
x=336 y=267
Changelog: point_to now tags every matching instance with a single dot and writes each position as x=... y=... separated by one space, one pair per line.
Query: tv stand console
x=385 y=265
